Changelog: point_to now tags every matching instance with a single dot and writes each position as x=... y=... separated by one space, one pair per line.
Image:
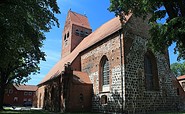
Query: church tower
x=75 y=30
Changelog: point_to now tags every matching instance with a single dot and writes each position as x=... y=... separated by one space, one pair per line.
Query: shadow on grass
x=35 y=112
x=24 y=112
x=168 y=113
x=46 y=112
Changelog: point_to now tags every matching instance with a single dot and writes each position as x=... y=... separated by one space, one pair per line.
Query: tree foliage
x=162 y=35
x=178 y=69
x=22 y=27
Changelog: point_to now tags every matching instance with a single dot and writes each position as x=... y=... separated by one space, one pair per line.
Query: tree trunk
x=2 y=88
x=2 y=91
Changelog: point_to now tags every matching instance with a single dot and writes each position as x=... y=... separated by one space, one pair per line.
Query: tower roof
x=78 y=19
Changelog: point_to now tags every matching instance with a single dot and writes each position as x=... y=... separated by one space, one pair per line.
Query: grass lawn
x=169 y=113
x=24 y=112
x=166 y=113
x=8 y=111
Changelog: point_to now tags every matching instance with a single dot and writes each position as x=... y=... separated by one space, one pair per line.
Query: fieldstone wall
x=135 y=97
x=138 y=99
x=90 y=63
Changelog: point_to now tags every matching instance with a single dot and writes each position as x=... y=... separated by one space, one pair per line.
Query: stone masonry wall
x=90 y=63
x=138 y=99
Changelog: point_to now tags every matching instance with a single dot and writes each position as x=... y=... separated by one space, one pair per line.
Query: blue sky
x=97 y=13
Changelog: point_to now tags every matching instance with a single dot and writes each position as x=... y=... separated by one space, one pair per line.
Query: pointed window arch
x=104 y=73
x=104 y=99
x=151 y=72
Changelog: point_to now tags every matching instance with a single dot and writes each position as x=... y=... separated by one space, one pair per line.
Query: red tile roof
x=78 y=19
x=99 y=34
x=81 y=77
x=181 y=77
x=176 y=84
x=26 y=87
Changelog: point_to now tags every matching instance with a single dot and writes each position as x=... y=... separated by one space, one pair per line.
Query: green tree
x=162 y=35
x=22 y=27
x=178 y=69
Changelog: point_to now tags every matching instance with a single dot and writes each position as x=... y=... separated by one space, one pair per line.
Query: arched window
x=65 y=37
x=151 y=73
x=68 y=35
x=104 y=74
x=86 y=34
x=81 y=33
x=77 y=32
x=104 y=99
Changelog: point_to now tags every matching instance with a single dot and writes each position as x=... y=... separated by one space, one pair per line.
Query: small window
x=81 y=33
x=29 y=100
x=77 y=32
x=86 y=34
x=30 y=93
x=104 y=99
x=25 y=93
x=10 y=91
x=15 y=99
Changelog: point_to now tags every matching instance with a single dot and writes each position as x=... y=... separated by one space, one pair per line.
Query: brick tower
x=75 y=30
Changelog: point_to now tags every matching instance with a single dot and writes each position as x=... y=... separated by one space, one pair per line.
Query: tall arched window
x=104 y=74
x=151 y=73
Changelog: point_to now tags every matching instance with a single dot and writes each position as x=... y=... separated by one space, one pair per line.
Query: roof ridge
x=77 y=13
x=78 y=19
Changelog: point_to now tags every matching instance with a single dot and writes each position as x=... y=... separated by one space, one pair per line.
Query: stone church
x=108 y=70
